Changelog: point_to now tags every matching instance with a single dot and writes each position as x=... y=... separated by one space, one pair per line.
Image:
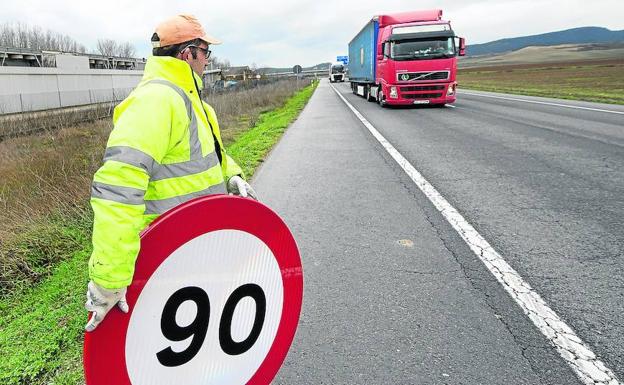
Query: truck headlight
x=393 y=92
x=451 y=90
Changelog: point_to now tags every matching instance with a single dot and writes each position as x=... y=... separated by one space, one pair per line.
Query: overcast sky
x=307 y=32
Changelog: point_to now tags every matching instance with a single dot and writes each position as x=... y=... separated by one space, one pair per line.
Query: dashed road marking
x=546 y=103
x=573 y=350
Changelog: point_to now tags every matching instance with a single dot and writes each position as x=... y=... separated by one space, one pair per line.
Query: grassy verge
x=240 y=110
x=45 y=184
x=45 y=178
x=250 y=147
x=589 y=81
x=41 y=326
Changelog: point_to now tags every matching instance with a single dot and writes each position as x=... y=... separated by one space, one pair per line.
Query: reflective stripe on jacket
x=165 y=149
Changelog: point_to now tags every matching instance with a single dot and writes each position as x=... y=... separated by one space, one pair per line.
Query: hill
x=565 y=53
x=581 y=35
x=271 y=70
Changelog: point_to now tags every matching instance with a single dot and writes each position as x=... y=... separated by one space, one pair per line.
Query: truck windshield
x=431 y=48
x=337 y=69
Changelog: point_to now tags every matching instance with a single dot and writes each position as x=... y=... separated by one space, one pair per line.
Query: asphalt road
x=393 y=295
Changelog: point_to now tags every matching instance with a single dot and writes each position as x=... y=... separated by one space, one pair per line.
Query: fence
x=26 y=89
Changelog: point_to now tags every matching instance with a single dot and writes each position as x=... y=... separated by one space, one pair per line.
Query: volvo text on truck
x=406 y=58
x=337 y=72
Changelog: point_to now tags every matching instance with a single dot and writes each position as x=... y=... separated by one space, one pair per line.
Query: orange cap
x=179 y=29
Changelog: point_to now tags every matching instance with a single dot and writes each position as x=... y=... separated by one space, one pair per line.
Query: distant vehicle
x=406 y=58
x=337 y=72
x=225 y=85
x=230 y=85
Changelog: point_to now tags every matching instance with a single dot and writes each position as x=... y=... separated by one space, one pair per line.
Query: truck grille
x=422 y=96
x=422 y=88
x=422 y=76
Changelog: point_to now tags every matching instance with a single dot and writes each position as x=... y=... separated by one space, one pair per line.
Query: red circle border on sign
x=104 y=348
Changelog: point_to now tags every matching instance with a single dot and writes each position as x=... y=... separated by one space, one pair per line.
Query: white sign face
x=208 y=315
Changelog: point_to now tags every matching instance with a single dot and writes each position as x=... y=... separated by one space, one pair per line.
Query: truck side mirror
x=462 y=46
x=380 y=57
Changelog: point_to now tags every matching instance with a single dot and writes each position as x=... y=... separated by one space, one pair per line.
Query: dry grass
x=45 y=180
x=239 y=111
x=44 y=173
x=598 y=81
x=45 y=183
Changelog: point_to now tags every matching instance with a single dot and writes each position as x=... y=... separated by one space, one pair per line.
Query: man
x=165 y=149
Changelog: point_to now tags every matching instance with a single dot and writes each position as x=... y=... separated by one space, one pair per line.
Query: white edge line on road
x=538 y=102
x=572 y=349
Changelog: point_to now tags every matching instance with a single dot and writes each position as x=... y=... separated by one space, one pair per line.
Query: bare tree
x=36 y=38
x=126 y=50
x=21 y=36
x=49 y=40
x=18 y=35
x=6 y=35
x=220 y=63
x=107 y=47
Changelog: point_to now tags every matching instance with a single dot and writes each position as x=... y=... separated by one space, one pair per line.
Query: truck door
x=382 y=61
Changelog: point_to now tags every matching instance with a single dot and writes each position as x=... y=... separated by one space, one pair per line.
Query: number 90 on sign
x=213 y=327
x=197 y=329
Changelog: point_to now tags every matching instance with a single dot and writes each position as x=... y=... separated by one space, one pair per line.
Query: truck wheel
x=380 y=99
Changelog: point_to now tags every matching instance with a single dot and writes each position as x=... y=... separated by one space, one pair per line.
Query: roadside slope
x=41 y=328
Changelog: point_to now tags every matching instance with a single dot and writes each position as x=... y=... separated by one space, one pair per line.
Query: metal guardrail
x=29 y=123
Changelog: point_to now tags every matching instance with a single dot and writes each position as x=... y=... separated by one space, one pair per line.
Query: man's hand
x=237 y=186
x=101 y=300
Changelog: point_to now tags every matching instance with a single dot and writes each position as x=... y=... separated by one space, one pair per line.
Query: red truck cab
x=413 y=57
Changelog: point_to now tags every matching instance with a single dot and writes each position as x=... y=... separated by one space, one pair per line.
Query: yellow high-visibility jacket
x=165 y=149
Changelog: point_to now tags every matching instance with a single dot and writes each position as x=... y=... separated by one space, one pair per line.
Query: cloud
x=305 y=32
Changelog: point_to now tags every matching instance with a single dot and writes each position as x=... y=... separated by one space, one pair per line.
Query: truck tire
x=381 y=99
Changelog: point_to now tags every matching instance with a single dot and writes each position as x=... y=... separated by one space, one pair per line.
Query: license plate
x=421 y=102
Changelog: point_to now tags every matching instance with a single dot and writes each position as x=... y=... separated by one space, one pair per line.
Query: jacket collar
x=171 y=69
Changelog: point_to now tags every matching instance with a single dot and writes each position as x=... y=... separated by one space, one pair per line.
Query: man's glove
x=237 y=186
x=101 y=300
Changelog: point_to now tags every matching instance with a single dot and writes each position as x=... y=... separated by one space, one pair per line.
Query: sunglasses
x=206 y=51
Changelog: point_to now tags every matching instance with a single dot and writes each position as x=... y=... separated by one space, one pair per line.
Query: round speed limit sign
x=215 y=299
